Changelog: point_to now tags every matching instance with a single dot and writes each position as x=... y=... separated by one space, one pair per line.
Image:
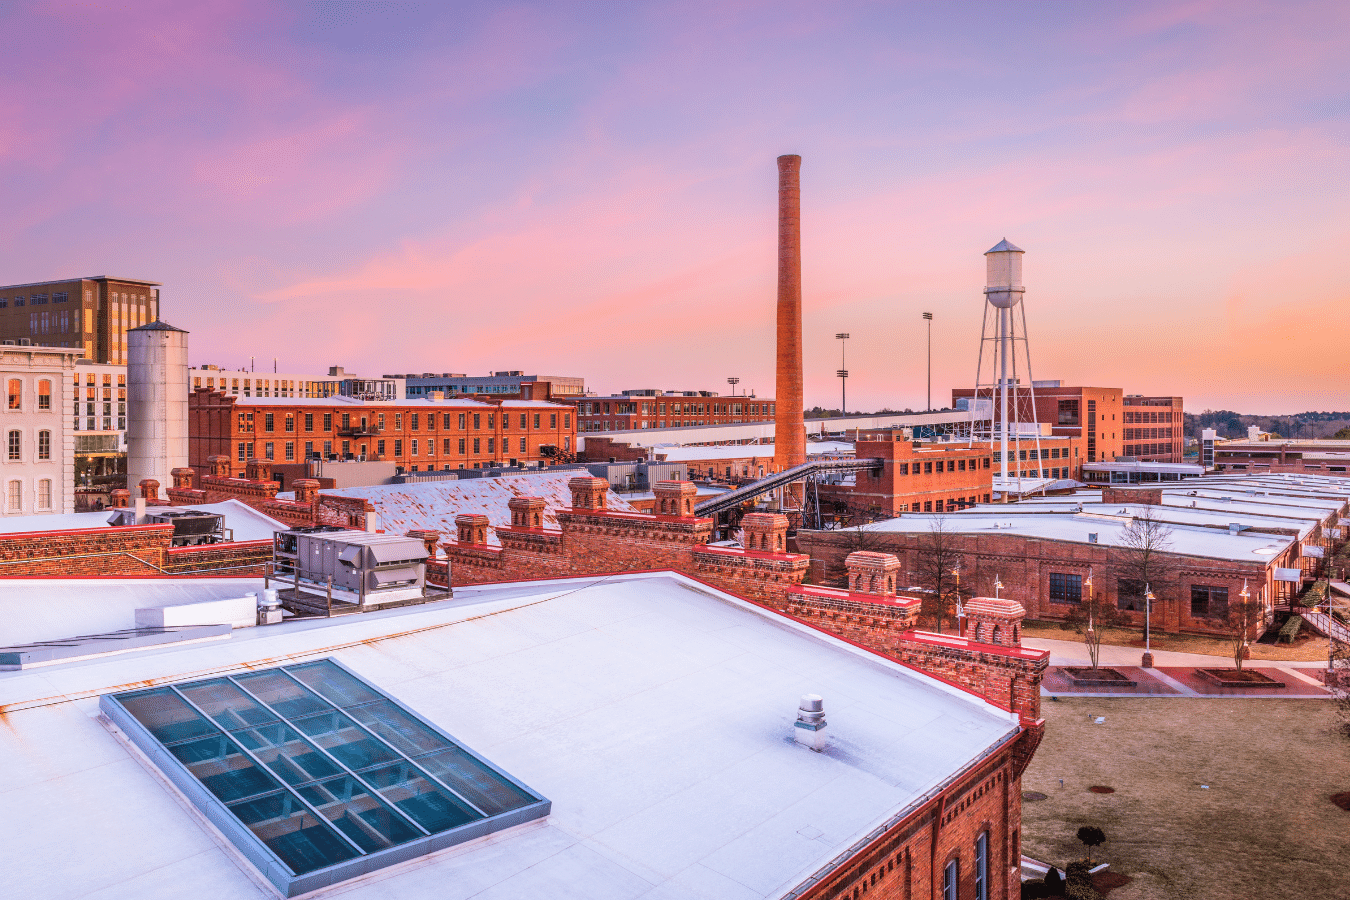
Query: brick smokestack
x=789 y=426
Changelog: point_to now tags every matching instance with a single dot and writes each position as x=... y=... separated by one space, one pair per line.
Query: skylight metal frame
x=269 y=864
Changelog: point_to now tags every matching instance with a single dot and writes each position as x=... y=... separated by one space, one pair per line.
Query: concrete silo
x=157 y=403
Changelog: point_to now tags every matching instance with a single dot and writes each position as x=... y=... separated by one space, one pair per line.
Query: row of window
x=15 y=392
x=602 y=408
x=1148 y=449
x=34 y=299
x=449 y=447
x=269 y=421
x=14 y=495
x=1207 y=601
x=1147 y=418
x=951 y=505
x=1144 y=434
x=1052 y=453
x=949 y=465
x=14 y=449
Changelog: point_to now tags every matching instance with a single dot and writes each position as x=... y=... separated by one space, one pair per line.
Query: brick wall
x=239 y=558
x=126 y=550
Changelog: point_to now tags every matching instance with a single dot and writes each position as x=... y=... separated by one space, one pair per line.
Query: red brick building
x=648 y=408
x=915 y=477
x=417 y=435
x=1154 y=428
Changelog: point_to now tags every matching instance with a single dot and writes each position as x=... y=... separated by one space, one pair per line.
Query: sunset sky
x=590 y=188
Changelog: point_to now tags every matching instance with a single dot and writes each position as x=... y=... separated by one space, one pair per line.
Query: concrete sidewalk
x=1073 y=653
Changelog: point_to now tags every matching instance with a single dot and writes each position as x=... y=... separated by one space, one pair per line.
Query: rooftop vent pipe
x=809 y=729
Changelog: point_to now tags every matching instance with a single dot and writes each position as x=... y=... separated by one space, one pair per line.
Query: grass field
x=1308 y=648
x=1263 y=830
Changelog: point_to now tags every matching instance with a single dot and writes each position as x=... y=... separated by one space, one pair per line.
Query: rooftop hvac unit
x=191 y=526
x=362 y=568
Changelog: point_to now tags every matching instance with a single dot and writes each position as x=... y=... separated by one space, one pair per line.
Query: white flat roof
x=715 y=451
x=1187 y=540
x=1174 y=510
x=655 y=713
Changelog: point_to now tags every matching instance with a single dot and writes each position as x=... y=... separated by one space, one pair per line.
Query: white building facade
x=37 y=456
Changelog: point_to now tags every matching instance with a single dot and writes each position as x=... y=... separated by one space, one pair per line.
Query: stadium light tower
x=842 y=337
x=733 y=381
x=928 y=317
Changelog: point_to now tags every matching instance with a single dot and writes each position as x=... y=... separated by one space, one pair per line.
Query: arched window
x=44 y=497
x=14 y=443
x=950 y=876
x=15 y=393
x=44 y=394
x=16 y=496
x=44 y=445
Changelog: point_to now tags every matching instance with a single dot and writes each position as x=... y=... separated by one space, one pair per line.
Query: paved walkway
x=1174 y=674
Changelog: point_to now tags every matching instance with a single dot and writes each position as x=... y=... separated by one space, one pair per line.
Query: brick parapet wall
x=238 y=558
x=129 y=550
x=755 y=575
x=470 y=564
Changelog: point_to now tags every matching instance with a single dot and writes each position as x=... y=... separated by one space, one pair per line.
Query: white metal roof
x=434 y=504
x=656 y=714
x=714 y=451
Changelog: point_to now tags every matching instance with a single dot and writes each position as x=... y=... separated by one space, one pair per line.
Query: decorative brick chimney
x=528 y=512
x=149 y=488
x=220 y=466
x=427 y=537
x=765 y=532
x=995 y=621
x=472 y=529
x=306 y=490
x=872 y=573
x=259 y=469
x=675 y=498
x=588 y=492
x=182 y=478
x=120 y=498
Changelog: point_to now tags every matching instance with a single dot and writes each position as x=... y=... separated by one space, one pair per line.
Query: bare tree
x=937 y=573
x=1243 y=619
x=1338 y=681
x=1144 y=561
x=1092 y=619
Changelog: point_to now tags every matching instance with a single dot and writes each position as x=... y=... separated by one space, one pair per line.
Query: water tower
x=1004 y=409
x=157 y=403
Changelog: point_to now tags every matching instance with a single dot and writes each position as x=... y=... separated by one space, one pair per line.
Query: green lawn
x=1263 y=830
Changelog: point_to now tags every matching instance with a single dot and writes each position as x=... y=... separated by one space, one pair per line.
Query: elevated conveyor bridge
x=732 y=499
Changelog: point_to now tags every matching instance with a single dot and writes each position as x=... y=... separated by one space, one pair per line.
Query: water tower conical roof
x=1004 y=246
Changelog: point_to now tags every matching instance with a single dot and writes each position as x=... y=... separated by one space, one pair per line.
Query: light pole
x=733 y=381
x=1147 y=661
x=842 y=337
x=928 y=317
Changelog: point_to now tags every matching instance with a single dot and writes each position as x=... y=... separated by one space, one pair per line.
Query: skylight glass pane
x=316 y=776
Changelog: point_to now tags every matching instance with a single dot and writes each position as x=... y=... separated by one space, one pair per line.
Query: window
x=1209 y=602
x=14 y=444
x=950 y=872
x=327 y=421
x=44 y=445
x=290 y=450
x=414 y=447
x=522 y=445
x=319 y=770
x=492 y=445
x=477 y=421
x=290 y=422
x=461 y=422
x=309 y=449
x=379 y=447
x=268 y=450
x=1065 y=588
x=241 y=451
x=552 y=420
x=309 y=421
x=1068 y=412
x=15 y=393
x=398 y=448
x=476 y=448
x=44 y=394
x=414 y=423
x=44 y=497
x=522 y=421
x=1130 y=594
x=398 y=421
x=16 y=496
x=461 y=445
x=327 y=448
x=536 y=420
x=928 y=468
x=982 y=867
x=268 y=422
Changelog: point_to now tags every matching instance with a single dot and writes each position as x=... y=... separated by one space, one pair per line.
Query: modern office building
x=650 y=408
x=91 y=314
x=337 y=383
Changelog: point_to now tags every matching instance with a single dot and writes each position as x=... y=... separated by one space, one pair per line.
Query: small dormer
x=589 y=492
x=995 y=621
x=527 y=512
x=675 y=498
x=765 y=532
x=472 y=528
x=872 y=573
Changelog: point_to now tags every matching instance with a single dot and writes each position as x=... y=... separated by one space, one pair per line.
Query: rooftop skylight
x=315 y=775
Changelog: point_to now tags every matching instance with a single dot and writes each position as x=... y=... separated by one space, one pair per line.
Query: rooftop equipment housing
x=362 y=568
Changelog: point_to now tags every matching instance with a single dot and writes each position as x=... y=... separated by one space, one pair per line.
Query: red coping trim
x=936 y=640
